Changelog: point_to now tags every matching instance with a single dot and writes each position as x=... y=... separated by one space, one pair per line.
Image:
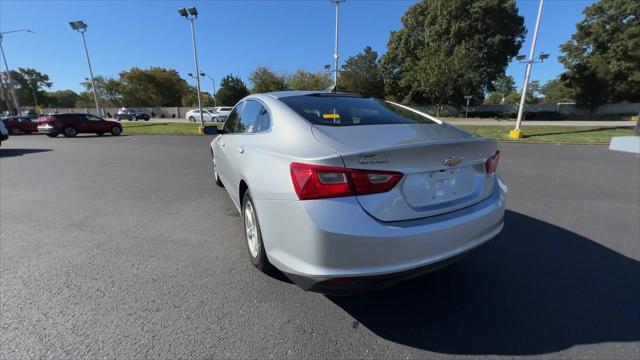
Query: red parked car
x=20 y=125
x=71 y=125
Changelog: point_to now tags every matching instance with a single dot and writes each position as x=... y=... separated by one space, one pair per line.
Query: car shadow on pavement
x=19 y=152
x=535 y=289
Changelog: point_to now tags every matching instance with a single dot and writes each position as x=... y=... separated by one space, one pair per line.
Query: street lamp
x=213 y=82
x=81 y=27
x=191 y=14
x=517 y=132
x=6 y=66
x=335 y=52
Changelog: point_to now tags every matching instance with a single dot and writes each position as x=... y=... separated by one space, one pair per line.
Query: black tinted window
x=232 y=120
x=248 y=122
x=342 y=110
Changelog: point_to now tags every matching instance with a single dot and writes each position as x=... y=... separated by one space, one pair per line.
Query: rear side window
x=345 y=110
x=264 y=120
x=232 y=119
x=249 y=116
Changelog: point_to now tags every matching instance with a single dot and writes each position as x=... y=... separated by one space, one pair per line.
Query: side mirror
x=211 y=130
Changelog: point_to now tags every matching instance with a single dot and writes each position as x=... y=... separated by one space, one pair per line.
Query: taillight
x=491 y=164
x=45 y=119
x=317 y=182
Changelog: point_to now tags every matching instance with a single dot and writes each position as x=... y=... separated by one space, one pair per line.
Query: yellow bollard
x=200 y=130
x=516 y=134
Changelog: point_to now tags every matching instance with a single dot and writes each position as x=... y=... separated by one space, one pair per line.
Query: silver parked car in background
x=343 y=193
x=208 y=115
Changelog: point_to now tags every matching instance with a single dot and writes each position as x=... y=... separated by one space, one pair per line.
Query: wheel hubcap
x=251 y=230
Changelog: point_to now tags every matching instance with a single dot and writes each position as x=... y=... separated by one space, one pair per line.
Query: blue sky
x=232 y=36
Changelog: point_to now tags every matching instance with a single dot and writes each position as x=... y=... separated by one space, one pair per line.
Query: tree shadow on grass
x=535 y=289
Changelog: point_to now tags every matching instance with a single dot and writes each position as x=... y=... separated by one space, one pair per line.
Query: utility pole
x=335 y=52
x=6 y=66
x=81 y=27
x=517 y=132
x=191 y=14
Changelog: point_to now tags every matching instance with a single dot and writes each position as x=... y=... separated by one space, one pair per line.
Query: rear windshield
x=343 y=110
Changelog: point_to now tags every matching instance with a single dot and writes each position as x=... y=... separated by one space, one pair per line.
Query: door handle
x=241 y=150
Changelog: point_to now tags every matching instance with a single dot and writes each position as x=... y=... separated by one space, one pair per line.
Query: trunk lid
x=443 y=166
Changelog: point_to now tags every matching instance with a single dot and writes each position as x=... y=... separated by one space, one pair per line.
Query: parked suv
x=131 y=114
x=20 y=125
x=70 y=125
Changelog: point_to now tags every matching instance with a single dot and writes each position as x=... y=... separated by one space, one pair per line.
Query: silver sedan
x=343 y=193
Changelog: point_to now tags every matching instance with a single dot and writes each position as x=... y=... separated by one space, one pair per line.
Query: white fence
x=562 y=108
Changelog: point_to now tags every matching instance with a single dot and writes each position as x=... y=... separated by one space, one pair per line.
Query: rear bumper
x=47 y=129
x=332 y=245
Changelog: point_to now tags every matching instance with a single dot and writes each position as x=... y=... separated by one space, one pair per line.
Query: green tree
x=602 y=59
x=264 y=80
x=190 y=99
x=35 y=81
x=85 y=100
x=451 y=48
x=232 y=89
x=155 y=86
x=555 y=91
x=361 y=74
x=62 y=98
x=534 y=90
x=305 y=80
x=109 y=90
x=502 y=87
x=22 y=89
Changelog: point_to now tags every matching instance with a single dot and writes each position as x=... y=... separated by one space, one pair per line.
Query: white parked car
x=344 y=193
x=223 y=111
x=209 y=115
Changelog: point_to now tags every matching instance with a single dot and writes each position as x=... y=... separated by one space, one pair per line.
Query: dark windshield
x=342 y=110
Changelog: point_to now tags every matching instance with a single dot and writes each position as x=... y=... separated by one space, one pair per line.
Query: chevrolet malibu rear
x=344 y=193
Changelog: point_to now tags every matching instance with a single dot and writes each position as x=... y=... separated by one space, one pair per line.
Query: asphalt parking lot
x=123 y=247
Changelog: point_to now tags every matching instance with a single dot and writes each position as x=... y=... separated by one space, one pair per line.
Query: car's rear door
x=235 y=147
x=220 y=146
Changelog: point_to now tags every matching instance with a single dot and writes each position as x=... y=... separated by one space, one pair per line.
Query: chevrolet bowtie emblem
x=452 y=161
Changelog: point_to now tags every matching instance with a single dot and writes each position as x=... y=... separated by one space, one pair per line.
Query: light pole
x=213 y=82
x=6 y=66
x=335 y=51
x=191 y=14
x=81 y=27
x=517 y=132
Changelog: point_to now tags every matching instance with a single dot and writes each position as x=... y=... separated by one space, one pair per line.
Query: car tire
x=116 y=131
x=69 y=132
x=146 y=119
x=134 y=118
x=52 y=135
x=192 y=119
x=215 y=171
x=15 y=131
x=117 y=118
x=253 y=235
